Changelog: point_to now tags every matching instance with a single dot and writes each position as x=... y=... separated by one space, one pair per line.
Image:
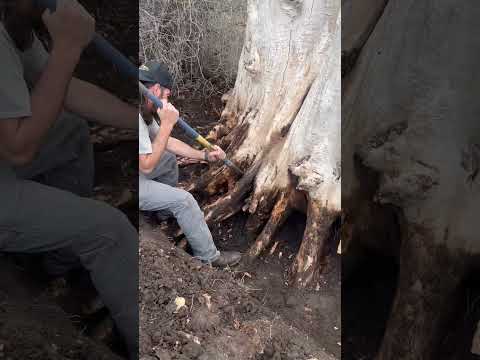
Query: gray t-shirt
x=146 y=135
x=19 y=71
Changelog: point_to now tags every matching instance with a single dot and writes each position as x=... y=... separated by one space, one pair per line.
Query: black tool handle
x=103 y=47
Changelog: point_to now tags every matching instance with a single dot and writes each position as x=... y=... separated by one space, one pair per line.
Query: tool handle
x=46 y=4
x=103 y=47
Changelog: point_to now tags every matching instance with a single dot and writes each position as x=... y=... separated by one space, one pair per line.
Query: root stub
x=280 y=213
x=231 y=203
x=314 y=250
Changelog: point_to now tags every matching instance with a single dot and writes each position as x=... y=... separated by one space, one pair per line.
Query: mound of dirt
x=189 y=310
x=32 y=326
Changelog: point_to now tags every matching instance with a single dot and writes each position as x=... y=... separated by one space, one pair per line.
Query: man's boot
x=227 y=258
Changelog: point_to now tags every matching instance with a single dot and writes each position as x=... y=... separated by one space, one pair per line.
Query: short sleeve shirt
x=19 y=72
x=146 y=135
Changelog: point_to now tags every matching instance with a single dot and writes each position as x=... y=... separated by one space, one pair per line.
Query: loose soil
x=247 y=312
x=226 y=314
x=33 y=326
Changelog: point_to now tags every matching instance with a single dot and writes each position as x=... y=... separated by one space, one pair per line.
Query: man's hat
x=153 y=72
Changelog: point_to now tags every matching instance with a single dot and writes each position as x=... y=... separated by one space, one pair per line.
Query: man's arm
x=21 y=137
x=178 y=147
x=169 y=116
x=71 y=29
x=96 y=104
x=147 y=162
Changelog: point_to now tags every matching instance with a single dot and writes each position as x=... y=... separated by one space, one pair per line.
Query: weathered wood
x=476 y=341
x=311 y=257
x=280 y=213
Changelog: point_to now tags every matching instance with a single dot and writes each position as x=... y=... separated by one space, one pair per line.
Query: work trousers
x=44 y=210
x=158 y=193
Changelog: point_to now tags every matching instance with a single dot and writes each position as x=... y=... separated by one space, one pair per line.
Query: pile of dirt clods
x=189 y=310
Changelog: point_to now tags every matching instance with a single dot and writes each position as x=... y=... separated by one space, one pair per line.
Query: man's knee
x=188 y=199
x=186 y=202
x=112 y=225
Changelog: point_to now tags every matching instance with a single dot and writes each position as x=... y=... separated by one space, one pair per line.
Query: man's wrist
x=205 y=155
x=165 y=127
x=66 y=52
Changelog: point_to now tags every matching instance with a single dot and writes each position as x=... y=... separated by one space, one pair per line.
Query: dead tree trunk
x=409 y=115
x=282 y=125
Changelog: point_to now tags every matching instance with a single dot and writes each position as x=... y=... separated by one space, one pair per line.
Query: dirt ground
x=253 y=312
x=226 y=314
x=34 y=326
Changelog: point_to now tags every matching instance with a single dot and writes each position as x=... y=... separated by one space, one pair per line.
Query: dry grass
x=199 y=40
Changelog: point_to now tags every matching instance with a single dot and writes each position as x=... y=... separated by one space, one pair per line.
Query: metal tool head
x=230 y=164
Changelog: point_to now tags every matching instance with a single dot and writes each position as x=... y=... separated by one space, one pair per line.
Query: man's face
x=160 y=92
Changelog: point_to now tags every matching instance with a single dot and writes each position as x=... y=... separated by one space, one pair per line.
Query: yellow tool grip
x=204 y=142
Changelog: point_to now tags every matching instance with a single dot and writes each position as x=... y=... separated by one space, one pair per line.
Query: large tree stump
x=281 y=124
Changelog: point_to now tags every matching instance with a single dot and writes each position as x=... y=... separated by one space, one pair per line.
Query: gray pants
x=157 y=192
x=48 y=217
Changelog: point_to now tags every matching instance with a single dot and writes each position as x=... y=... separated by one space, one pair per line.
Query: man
x=159 y=170
x=46 y=159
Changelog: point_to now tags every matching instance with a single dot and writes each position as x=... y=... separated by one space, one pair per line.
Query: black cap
x=153 y=72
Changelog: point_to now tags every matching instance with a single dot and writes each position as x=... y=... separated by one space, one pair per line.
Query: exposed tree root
x=260 y=208
x=279 y=214
x=231 y=203
x=214 y=181
x=311 y=257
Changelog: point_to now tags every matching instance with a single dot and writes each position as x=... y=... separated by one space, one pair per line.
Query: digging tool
x=125 y=67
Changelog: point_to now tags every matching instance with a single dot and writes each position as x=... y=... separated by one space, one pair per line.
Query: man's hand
x=70 y=26
x=168 y=115
x=216 y=154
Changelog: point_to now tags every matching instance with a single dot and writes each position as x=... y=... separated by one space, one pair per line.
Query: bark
x=281 y=122
x=425 y=299
x=398 y=109
x=475 y=349
x=359 y=20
